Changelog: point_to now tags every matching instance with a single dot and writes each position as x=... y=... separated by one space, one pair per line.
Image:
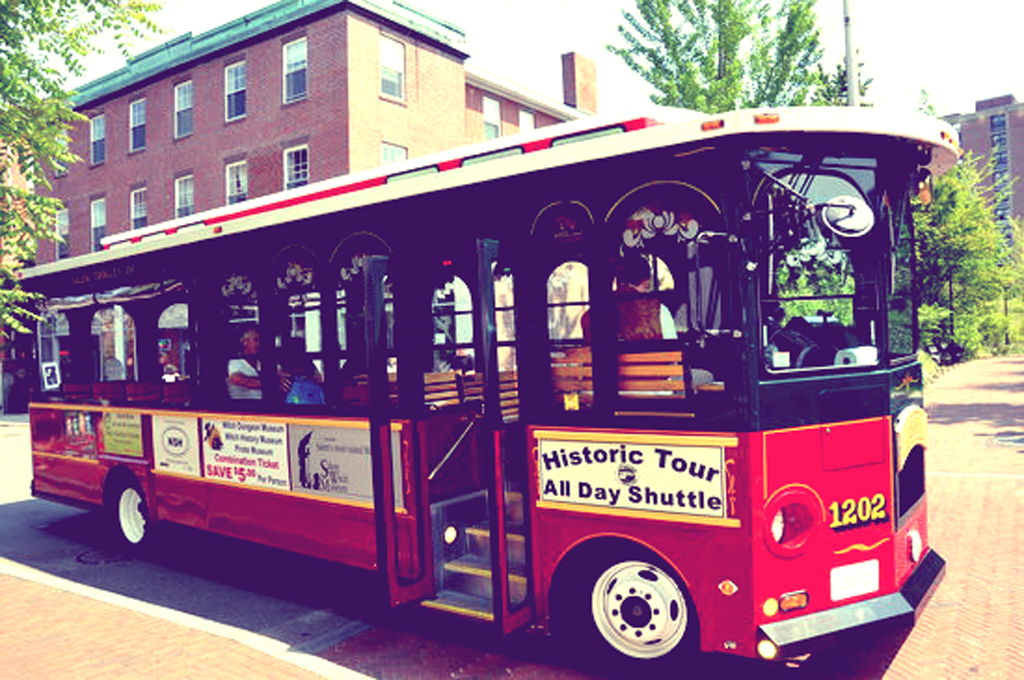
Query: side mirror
x=847 y=216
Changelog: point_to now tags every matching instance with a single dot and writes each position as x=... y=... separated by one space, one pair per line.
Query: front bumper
x=809 y=633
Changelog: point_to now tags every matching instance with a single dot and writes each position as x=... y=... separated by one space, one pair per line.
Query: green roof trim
x=186 y=49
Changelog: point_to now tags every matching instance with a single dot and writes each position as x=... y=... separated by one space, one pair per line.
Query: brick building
x=300 y=91
x=996 y=131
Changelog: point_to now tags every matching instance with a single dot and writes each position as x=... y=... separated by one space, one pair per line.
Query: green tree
x=42 y=42
x=832 y=86
x=719 y=55
x=960 y=250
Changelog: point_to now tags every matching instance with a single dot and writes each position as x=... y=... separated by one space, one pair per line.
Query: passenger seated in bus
x=641 y=316
x=113 y=369
x=244 y=372
x=170 y=374
x=299 y=378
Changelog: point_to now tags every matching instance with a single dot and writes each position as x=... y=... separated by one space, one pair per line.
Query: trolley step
x=471 y=574
x=461 y=604
x=480 y=544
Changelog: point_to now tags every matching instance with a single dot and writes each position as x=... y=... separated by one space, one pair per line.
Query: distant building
x=996 y=131
x=300 y=91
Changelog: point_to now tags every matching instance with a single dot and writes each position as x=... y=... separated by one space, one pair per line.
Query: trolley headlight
x=778 y=525
x=791 y=523
x=767 y=650
x=791 y=518
x=915 y=545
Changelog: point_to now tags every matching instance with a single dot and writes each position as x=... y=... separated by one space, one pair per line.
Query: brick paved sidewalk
x=973 y=626
x=52 y=630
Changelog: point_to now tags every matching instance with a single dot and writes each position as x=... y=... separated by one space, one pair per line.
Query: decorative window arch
x=671 y=225
x=563 y=222
x=297 y=317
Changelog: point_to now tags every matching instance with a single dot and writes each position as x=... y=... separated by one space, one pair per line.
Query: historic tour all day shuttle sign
x=629 y=473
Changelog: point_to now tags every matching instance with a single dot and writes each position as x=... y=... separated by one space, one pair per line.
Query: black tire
x=628 y=605
x=128 y=512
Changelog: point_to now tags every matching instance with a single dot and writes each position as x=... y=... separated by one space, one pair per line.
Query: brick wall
x=344 y=120
x=268 y=128
x=429 y=116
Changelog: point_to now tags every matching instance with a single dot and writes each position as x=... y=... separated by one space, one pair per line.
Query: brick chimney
x=579 y=82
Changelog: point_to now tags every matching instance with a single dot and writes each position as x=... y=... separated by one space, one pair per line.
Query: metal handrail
x=453 y=449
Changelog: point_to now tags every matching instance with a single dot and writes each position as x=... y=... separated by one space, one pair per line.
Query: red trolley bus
x=651 y=386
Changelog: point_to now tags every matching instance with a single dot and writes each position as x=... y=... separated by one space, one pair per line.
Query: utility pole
x=852 y=86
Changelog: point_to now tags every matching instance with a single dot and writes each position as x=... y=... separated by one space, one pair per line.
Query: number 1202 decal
x=854 y=512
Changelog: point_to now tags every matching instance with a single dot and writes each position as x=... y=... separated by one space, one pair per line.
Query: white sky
x=958 y=51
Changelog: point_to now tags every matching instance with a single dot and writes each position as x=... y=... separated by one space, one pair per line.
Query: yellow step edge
x=456 y=609
x=479 y=571
x=479 y=531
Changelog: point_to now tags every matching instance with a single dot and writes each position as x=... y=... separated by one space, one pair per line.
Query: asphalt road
x=971 y=628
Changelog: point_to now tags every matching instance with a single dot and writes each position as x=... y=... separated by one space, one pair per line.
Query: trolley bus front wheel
x=632 y=606
x=126 y=506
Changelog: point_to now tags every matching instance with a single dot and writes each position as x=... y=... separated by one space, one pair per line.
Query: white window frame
x=231 y=197
x=139 y=210
x=233 y=85
x=180 y=108
x=289 y=183
x=98 y=139
x=184 y=186
x=137 y=120
x=291 y=68
x=98 y=222
x=392 y=63
x=392 y=153
x=62 y=227
x=527 y=120
x=492 y=108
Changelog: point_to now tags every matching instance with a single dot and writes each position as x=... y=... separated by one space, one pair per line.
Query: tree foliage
x=719 y=55
x=964 y=259
x=832 y=87
x=42 y=42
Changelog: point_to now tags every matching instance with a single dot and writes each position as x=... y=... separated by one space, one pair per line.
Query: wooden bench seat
x=572 y=377
x=508 y=395
x=652 y=375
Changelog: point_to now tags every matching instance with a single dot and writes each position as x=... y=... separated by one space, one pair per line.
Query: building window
x=140 y=212
x=98 y=222
x=183 y=109
x=234 y=91
x=59 y=168
x=137 y=125
x=64 y=233
x=295 y=85
x=492 y=118
x=392 y=153
x=184 y=196
x=98 y=139
x=237 y=177
x=296 y=167
x=527 y=121
x=392 y=68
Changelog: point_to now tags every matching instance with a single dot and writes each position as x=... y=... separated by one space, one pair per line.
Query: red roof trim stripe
x=298 y=200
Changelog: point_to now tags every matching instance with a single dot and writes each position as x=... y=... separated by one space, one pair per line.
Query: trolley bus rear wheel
x=128 y=511
x=632 y=607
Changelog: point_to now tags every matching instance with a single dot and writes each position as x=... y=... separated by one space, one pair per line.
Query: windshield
x=820 y=261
